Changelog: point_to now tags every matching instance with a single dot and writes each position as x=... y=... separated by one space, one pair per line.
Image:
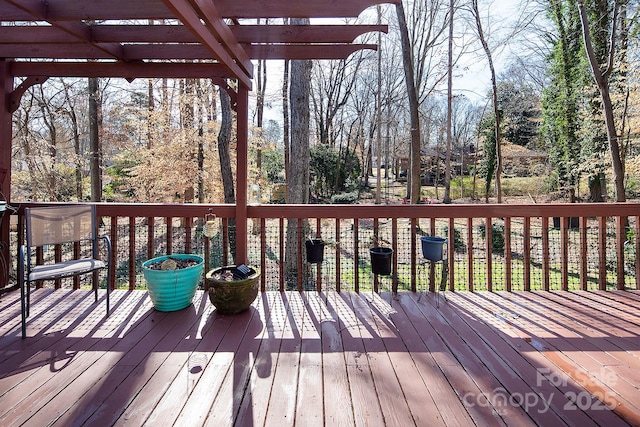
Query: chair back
x=52 y=225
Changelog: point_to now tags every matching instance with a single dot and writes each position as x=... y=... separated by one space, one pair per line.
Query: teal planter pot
x=172 y=290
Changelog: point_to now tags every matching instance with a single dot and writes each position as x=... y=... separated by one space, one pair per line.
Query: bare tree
x=413 y=182
x=602 y=78
x=94 y=140
x=224 y=141
x=494 y=92
x=298 y=184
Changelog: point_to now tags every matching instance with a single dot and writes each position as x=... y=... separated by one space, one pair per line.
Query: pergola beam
x=74 y=10
x=136 y=53
x=184 y=11
x=38 y=12
x=126 y=70
x=245 y=34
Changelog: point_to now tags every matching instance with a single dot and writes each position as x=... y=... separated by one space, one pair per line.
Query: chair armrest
x=108 y=243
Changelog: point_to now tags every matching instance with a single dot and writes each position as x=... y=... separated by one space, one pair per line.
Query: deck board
x=326 y=358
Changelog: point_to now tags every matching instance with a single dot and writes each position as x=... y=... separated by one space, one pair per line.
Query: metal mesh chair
x=57 y=225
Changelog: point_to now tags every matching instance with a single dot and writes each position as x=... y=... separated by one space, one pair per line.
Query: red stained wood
x=323 y=359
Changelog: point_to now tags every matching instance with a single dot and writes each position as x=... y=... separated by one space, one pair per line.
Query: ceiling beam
x=215 y=23
x=188 y=16
x=320 y=52
x=38 y=11
x=127 y=70
x=75 y=10
x=165 y=53
x=180 y=34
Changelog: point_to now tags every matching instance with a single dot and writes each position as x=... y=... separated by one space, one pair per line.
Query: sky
x=472 y=77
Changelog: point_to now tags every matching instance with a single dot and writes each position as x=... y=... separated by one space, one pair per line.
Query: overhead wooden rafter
x=56 y=37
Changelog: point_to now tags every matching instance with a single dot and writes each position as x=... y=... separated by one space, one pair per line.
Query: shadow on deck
x=542 y=358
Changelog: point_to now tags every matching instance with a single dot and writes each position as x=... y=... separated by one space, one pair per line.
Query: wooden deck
x=324 y=359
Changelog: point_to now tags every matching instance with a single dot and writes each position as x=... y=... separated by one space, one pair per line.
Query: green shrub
x=497 y=236
x=344 y=198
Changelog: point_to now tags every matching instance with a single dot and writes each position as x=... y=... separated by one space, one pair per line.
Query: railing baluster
x=507 y=253
x=564 y=251
x=356 y=253
x=113 y=237
x=469 y=255
x=132 y=252
x=188 y=221
x=319 y=265
x=637 y=251
x=282 y=253
x=451 y=253
x=489 y=252
x=545 y=254
x=526 y=253
x=58 y=258
x=76 y=255
x=169 y=224
x=584 y=272
x=621 y=231
x=263 y=253
x=602 y=252
x=394 y=246
x=225 y=241
x=338 y=225
x=300 y=252
x=432 y=265
x=413 y=228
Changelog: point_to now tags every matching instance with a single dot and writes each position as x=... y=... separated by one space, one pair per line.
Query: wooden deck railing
x=491 y=247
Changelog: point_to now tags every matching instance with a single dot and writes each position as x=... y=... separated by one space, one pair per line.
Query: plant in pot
x=172 y=280
x=380 y=257
x=315 y=249
x=232 y=289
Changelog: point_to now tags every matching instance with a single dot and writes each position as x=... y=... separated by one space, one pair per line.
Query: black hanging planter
x=433 y=247
x=573 y=222
x=315 y=250
x=381 y=260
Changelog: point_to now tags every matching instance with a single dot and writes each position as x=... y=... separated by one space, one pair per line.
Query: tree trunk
x=496 y=106
x=76 y=141
x=224 y=139
x=413 y=180
x=447 y=165
x=298 y=186
x=94 y=141
x=285 y=130
x=602 y=80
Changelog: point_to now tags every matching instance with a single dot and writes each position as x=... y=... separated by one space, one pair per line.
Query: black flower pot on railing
x=381 y=260
x=572 y=222
x=433 y=247
x=315 y=250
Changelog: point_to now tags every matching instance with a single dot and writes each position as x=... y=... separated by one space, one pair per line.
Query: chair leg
x=28 y=285
x=108 y=290
x=23 y=310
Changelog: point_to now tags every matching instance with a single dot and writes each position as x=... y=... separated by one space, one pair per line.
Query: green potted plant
x=172 y=280
x=232 y=289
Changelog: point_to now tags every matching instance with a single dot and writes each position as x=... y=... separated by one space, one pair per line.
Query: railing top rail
x=364 y=211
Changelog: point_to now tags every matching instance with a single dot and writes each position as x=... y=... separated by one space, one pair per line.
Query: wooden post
x=6 y=88
x=241 y=174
